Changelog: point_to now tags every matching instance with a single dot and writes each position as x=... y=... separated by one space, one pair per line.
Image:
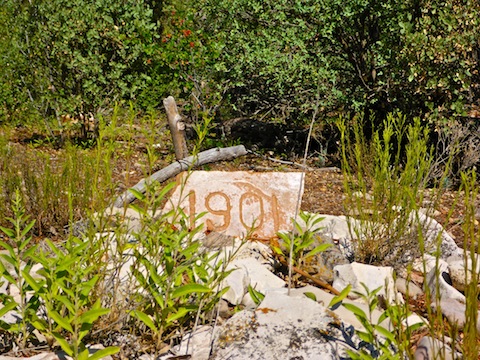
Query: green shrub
x=178 y=283
x=15 y=266
x=280 y=59
x=79 y=56
x=178 y=279
x=385 y=182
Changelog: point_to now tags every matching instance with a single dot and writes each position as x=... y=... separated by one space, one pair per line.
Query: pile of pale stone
x=290 y=325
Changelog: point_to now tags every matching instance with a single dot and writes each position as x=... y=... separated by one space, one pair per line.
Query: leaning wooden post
x=177 y=128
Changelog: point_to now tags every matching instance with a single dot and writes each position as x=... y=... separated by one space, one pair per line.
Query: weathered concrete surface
x=235 y=202
x=371 y=276
x=283 y=327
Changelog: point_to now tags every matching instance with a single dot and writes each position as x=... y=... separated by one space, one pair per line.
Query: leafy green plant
x=471 y=247
x=176 y=278
x=15 y=266
x=79 y=311
x=302 y=241
x=385 y=182
x=58 y=299
x=382 y=349
x=256 y=295
x=67 y=287
x=378 y=342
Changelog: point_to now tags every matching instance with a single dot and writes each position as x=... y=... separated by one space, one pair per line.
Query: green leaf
x=180 y=313
x=166 y=189
x=298 y=228
x=385 y=333
x=316 y=221
x=39 y=324
x=359 y=313
x=11 y=256
x=139 y=195
x=7 y=307
x=343 y=294
x=30 y=252
x=285 y=237
x=88 y=285
x=256 y=295
x=157 y=279
x=111 y=350
x=189 y=289
x=36 y=285
x=310 y=295
x=384 y=315
x=318 y=249
x=277 y=250
x=190 y=250
x=4 y=272
x=365 y=336
x=92 y=315
x=26 y=229
x=60 y=321
x=54 y=248
x=66 y=301
x=63 y=343
x=145 y=319
x=84 y=354
x=9 y=232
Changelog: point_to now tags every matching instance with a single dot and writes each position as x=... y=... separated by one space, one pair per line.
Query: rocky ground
x=323 y=194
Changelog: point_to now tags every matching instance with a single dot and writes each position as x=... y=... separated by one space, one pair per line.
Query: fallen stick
x=315 y=280
x=205 y=157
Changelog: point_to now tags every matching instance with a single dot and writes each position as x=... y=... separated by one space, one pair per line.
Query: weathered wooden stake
x=177 y=128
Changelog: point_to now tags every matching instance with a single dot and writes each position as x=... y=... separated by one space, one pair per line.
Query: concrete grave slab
x=235 y=202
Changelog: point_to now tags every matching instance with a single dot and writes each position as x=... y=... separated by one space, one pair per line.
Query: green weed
x=385 y=182
x=302 y=240
x=15 y=265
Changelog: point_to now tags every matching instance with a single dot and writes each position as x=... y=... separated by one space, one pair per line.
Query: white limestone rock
x=408 y=288
x=454 y=311
x=249 y=271
x=336 y=230
x=428 y=262
x=197 y=344
x=238 y=282
x=457 y=268
x=283 y=327
x=372 y=276
x=445 y=289
x=432 y=231
x=430 y=348
x=346 y=316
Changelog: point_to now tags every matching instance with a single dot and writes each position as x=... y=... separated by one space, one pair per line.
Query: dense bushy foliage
x=287 y=58
x=78 y=56
x=276 y=60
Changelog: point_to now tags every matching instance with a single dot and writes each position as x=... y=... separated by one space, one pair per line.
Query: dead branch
x=315 y=280
x=205 y=157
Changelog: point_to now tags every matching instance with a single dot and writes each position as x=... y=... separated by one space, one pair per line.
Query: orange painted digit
x=192 y=205
x=276 y=220
x=225 y=213
x=249 y=198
